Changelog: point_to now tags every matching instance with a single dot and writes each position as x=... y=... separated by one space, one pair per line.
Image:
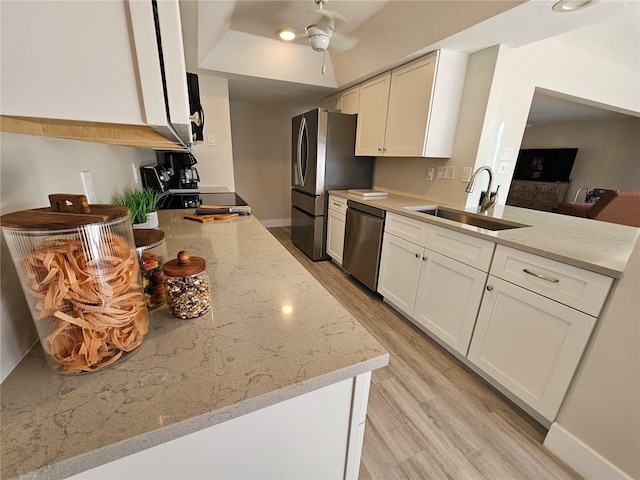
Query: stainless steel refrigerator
x=323 y=158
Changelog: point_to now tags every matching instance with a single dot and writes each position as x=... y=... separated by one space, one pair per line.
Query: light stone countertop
x=600 y=247
x=244 y=355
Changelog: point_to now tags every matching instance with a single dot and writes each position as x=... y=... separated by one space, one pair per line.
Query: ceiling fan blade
x=321 y=19
x=337 y=17
x=341 y=42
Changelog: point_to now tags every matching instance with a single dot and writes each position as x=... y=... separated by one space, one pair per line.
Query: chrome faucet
x=490 y=198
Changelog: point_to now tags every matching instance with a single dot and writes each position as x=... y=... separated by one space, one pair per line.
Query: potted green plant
x=142 y=204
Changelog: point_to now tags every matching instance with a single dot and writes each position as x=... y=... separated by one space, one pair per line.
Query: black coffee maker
x=181 y=166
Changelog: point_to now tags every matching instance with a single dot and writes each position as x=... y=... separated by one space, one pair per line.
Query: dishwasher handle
x=368 y=209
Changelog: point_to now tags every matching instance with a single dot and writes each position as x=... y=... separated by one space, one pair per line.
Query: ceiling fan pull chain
x=324 y=57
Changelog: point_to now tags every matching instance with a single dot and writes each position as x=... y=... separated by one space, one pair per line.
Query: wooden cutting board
x=210 y=218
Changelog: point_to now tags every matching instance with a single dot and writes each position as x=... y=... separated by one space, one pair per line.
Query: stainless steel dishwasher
x=363 y=242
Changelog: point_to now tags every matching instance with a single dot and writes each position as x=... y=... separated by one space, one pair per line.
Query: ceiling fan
x=320 y=30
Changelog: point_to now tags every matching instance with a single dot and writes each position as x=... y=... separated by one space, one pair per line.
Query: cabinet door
x=529 y=344
x=408 y=112
x=372 y=115
x=350 y=99
x=449 y=296
x=69 y=61
x=335 y=235
x=399 y=272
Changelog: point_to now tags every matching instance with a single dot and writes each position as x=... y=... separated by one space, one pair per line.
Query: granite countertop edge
x=129 y=446
x=619 y=240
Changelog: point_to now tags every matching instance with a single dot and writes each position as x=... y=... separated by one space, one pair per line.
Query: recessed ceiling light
x=287 y=34
x=572 y=5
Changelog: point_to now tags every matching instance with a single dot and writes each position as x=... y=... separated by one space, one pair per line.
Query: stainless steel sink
x=466 y=218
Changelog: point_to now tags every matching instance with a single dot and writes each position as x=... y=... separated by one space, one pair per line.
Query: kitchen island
x=274 y=346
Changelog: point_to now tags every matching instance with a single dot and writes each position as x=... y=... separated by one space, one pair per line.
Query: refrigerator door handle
x=302 y=136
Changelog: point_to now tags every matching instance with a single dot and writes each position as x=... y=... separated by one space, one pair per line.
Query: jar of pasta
x=186 y=284
x=152 y=253
x=79 y=271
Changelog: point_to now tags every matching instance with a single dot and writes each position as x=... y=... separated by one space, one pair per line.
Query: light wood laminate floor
x=429 y=416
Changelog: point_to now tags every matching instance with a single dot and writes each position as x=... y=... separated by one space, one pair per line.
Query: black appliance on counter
x=174 y=170
x=181 y=200
x=323 y=158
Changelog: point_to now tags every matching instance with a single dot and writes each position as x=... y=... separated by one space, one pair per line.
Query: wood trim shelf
x=141 y=136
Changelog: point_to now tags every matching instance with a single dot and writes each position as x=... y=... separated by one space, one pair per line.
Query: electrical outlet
x=503 y=168
x=87 y=182
x=442 y=172
x=451 y=172
x=429 y=174
x=136 y=175
x=466 y=174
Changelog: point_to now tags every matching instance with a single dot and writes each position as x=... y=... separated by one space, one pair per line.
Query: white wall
x=602 y=407
x=32 y=167
x=551 y=65
x=608 y=152
x=262 y=158
x=215 y=163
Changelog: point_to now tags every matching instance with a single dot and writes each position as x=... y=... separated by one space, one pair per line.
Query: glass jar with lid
x=186 y=285
x=152 y=253
x=78 y=268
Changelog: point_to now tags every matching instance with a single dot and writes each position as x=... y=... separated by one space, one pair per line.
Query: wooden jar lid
x=66 y=211
x=184 y=265
x=147 y=237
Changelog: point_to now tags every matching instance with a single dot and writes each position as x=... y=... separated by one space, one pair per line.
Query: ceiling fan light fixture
x=287 y=34
x=572 y=5
x=319 y=42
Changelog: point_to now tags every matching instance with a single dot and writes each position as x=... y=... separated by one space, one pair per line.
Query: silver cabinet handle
x=424 y=259
x=541 y=276
x=489 y=287
x=417 y=255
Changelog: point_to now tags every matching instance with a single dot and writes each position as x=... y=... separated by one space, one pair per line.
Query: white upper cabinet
x=372 y=115
x=94 y=62
x=345 y=101
x=350 y=99
x=412 y=111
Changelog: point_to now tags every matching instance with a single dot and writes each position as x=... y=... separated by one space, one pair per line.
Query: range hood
x=144 y=77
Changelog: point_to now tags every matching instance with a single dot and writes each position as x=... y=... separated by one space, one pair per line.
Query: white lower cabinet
x=439 y=293
x=400 y=265
x=529 y=344
x=525 y=332
x=448 y=299
x=336 y=221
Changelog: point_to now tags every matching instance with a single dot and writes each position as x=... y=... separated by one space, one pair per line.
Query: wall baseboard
x=276 y=222
x=579 y=456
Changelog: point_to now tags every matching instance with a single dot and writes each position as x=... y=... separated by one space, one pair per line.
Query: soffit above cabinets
x=236 y=39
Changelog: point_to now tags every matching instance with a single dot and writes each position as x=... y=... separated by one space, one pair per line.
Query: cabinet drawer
x=407 y=228
x=578 y=288
x=337 y=204
x=472 y=251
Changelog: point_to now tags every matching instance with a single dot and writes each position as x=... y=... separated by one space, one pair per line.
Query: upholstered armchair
x=613 y=206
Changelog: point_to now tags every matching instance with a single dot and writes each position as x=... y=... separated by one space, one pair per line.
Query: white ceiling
x=236 y=40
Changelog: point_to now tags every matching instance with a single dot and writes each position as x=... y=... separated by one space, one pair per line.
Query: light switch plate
x=442 y=172
x=451 y=172
x=466 y=174
x=506 y=154
x=211 y=141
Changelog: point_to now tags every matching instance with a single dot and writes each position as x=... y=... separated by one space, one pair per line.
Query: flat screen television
x=545 y=164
